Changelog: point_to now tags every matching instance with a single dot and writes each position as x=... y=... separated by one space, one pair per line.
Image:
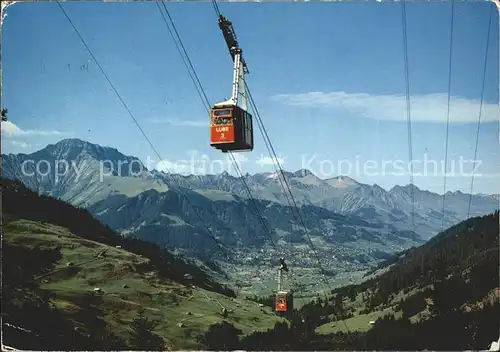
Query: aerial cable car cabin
x=231 y=127
x=283 y=299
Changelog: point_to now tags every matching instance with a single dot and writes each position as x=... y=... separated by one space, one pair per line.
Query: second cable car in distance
x=231 y=127
x=283 y=299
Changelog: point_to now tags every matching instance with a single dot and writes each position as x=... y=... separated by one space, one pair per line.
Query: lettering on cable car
x=223 y=134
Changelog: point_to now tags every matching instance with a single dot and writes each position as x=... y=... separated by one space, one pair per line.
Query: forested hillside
x=441 y=296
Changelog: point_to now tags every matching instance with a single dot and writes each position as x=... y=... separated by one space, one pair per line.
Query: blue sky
x=328 y=79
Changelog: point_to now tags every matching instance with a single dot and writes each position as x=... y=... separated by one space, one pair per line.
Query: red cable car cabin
x=281 y=302
x=231 y=128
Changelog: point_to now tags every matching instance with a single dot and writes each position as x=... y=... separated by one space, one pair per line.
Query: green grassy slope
x=47 y=262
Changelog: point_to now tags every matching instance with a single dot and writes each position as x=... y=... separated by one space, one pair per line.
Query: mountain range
x=351 y=224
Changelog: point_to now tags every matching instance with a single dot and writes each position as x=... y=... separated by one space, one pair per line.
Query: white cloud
x=238 y=157
x=495 y=176
x=467 y=175
x=188 y=166
x=266 y=160
x=179 y=122
x=4 y=5
x=9 y=129
x=423 y=108
x=197 y=163
x=174 y=167
x=21 y=144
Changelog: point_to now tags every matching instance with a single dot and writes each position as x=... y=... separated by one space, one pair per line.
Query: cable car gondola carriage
x=231 y=127
x=281 y=301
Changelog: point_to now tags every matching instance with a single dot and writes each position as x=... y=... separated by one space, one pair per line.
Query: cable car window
x=222 y=112
x=222 y=120
x=248 y=128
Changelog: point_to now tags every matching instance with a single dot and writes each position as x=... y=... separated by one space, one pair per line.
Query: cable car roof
x=224 y=104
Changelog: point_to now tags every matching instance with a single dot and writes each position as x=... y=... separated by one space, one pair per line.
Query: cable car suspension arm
x=282 y=268
x=230 y=36
x=239 y=67
x=238 y=81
